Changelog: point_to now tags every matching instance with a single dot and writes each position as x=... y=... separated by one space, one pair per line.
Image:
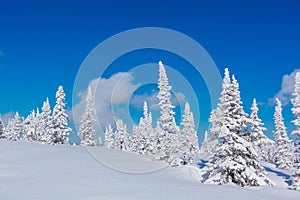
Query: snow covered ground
x=37 y=171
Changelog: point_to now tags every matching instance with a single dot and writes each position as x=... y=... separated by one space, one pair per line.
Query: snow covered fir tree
x=234 y=159
x=86 y=130
x=284 y=148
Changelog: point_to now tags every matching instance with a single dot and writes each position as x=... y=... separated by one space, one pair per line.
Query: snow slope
x=37 y=171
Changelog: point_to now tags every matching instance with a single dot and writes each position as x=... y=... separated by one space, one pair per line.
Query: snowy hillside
x=34 y=171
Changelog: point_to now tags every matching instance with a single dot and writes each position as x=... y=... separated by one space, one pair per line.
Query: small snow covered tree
x=160 y=142
x=167 y=119
x=109 y=137
x=2 y=129
x=86 y=130
x=143 y=134
x=295 y=178
x=296 y=111
x=14 y=128
x=121 y=136
x=30 y=127
x=189 y=138
x=46 y=123
x=259 y=140
x=284 y=148
x=60 y=127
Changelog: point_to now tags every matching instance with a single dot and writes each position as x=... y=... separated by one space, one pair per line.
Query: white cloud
x=109 y=93
x=287 y=88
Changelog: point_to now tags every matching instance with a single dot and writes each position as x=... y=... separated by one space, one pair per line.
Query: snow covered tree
x=167 y=119
x=189 y=138
x=60 y=127
x=229 y=112
x=143 y=139
x=14 y=128
x=284 y=148
x=295 y=178
x=234 y=162
x=109 y=137
x=86 y=130
x=160 y=150
x=234 y=159
x=296 y=111
x=2 y=129
x=46 y=123
x=259 y=140
x=121 y=136
x=30 y=127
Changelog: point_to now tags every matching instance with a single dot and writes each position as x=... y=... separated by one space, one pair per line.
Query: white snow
x=31 y=170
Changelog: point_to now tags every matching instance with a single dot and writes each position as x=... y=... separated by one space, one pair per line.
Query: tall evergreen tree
x=295 y=178
x=167 y=119
x=259 y=140
x=296 y=111
x=284 y=148
x=86 y=130
x=189 y=141
x=60 y=127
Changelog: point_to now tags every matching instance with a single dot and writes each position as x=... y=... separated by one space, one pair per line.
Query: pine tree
x=167 y=119
x=121 y=136
x=60 y=127
x=86 y=130
x=296 y=111
x=2 y=129
x=234 y=159
x=259 y=140
x=160 y=150
x=217 y=116
x=109 y=137
x=14 y=128
x=295 y=178
x=30 y=127
x=284 y=155
x=143 y=133
x=190 y=145
x=234 y=162
x=46 y=123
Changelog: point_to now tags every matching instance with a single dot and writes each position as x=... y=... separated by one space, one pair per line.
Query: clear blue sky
x=43 y=43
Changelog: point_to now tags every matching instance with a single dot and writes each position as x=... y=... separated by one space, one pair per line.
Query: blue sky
x=43 y=43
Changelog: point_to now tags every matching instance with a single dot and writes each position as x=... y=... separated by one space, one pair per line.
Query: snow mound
x=37 y=171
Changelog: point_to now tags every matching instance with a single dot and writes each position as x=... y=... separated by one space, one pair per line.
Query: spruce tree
x=167 y=118
x=121 y=136
x=295 y=178
x=189 y=138
x=234 y=159
x=86 y=130
x=260 y=141
x=30 y=127
x=296 y=111
x=46 y=123
x=60 y=127
x=109 y=137
x=284 y=148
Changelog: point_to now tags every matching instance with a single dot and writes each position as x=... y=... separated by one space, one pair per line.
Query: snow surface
x=38 y=171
